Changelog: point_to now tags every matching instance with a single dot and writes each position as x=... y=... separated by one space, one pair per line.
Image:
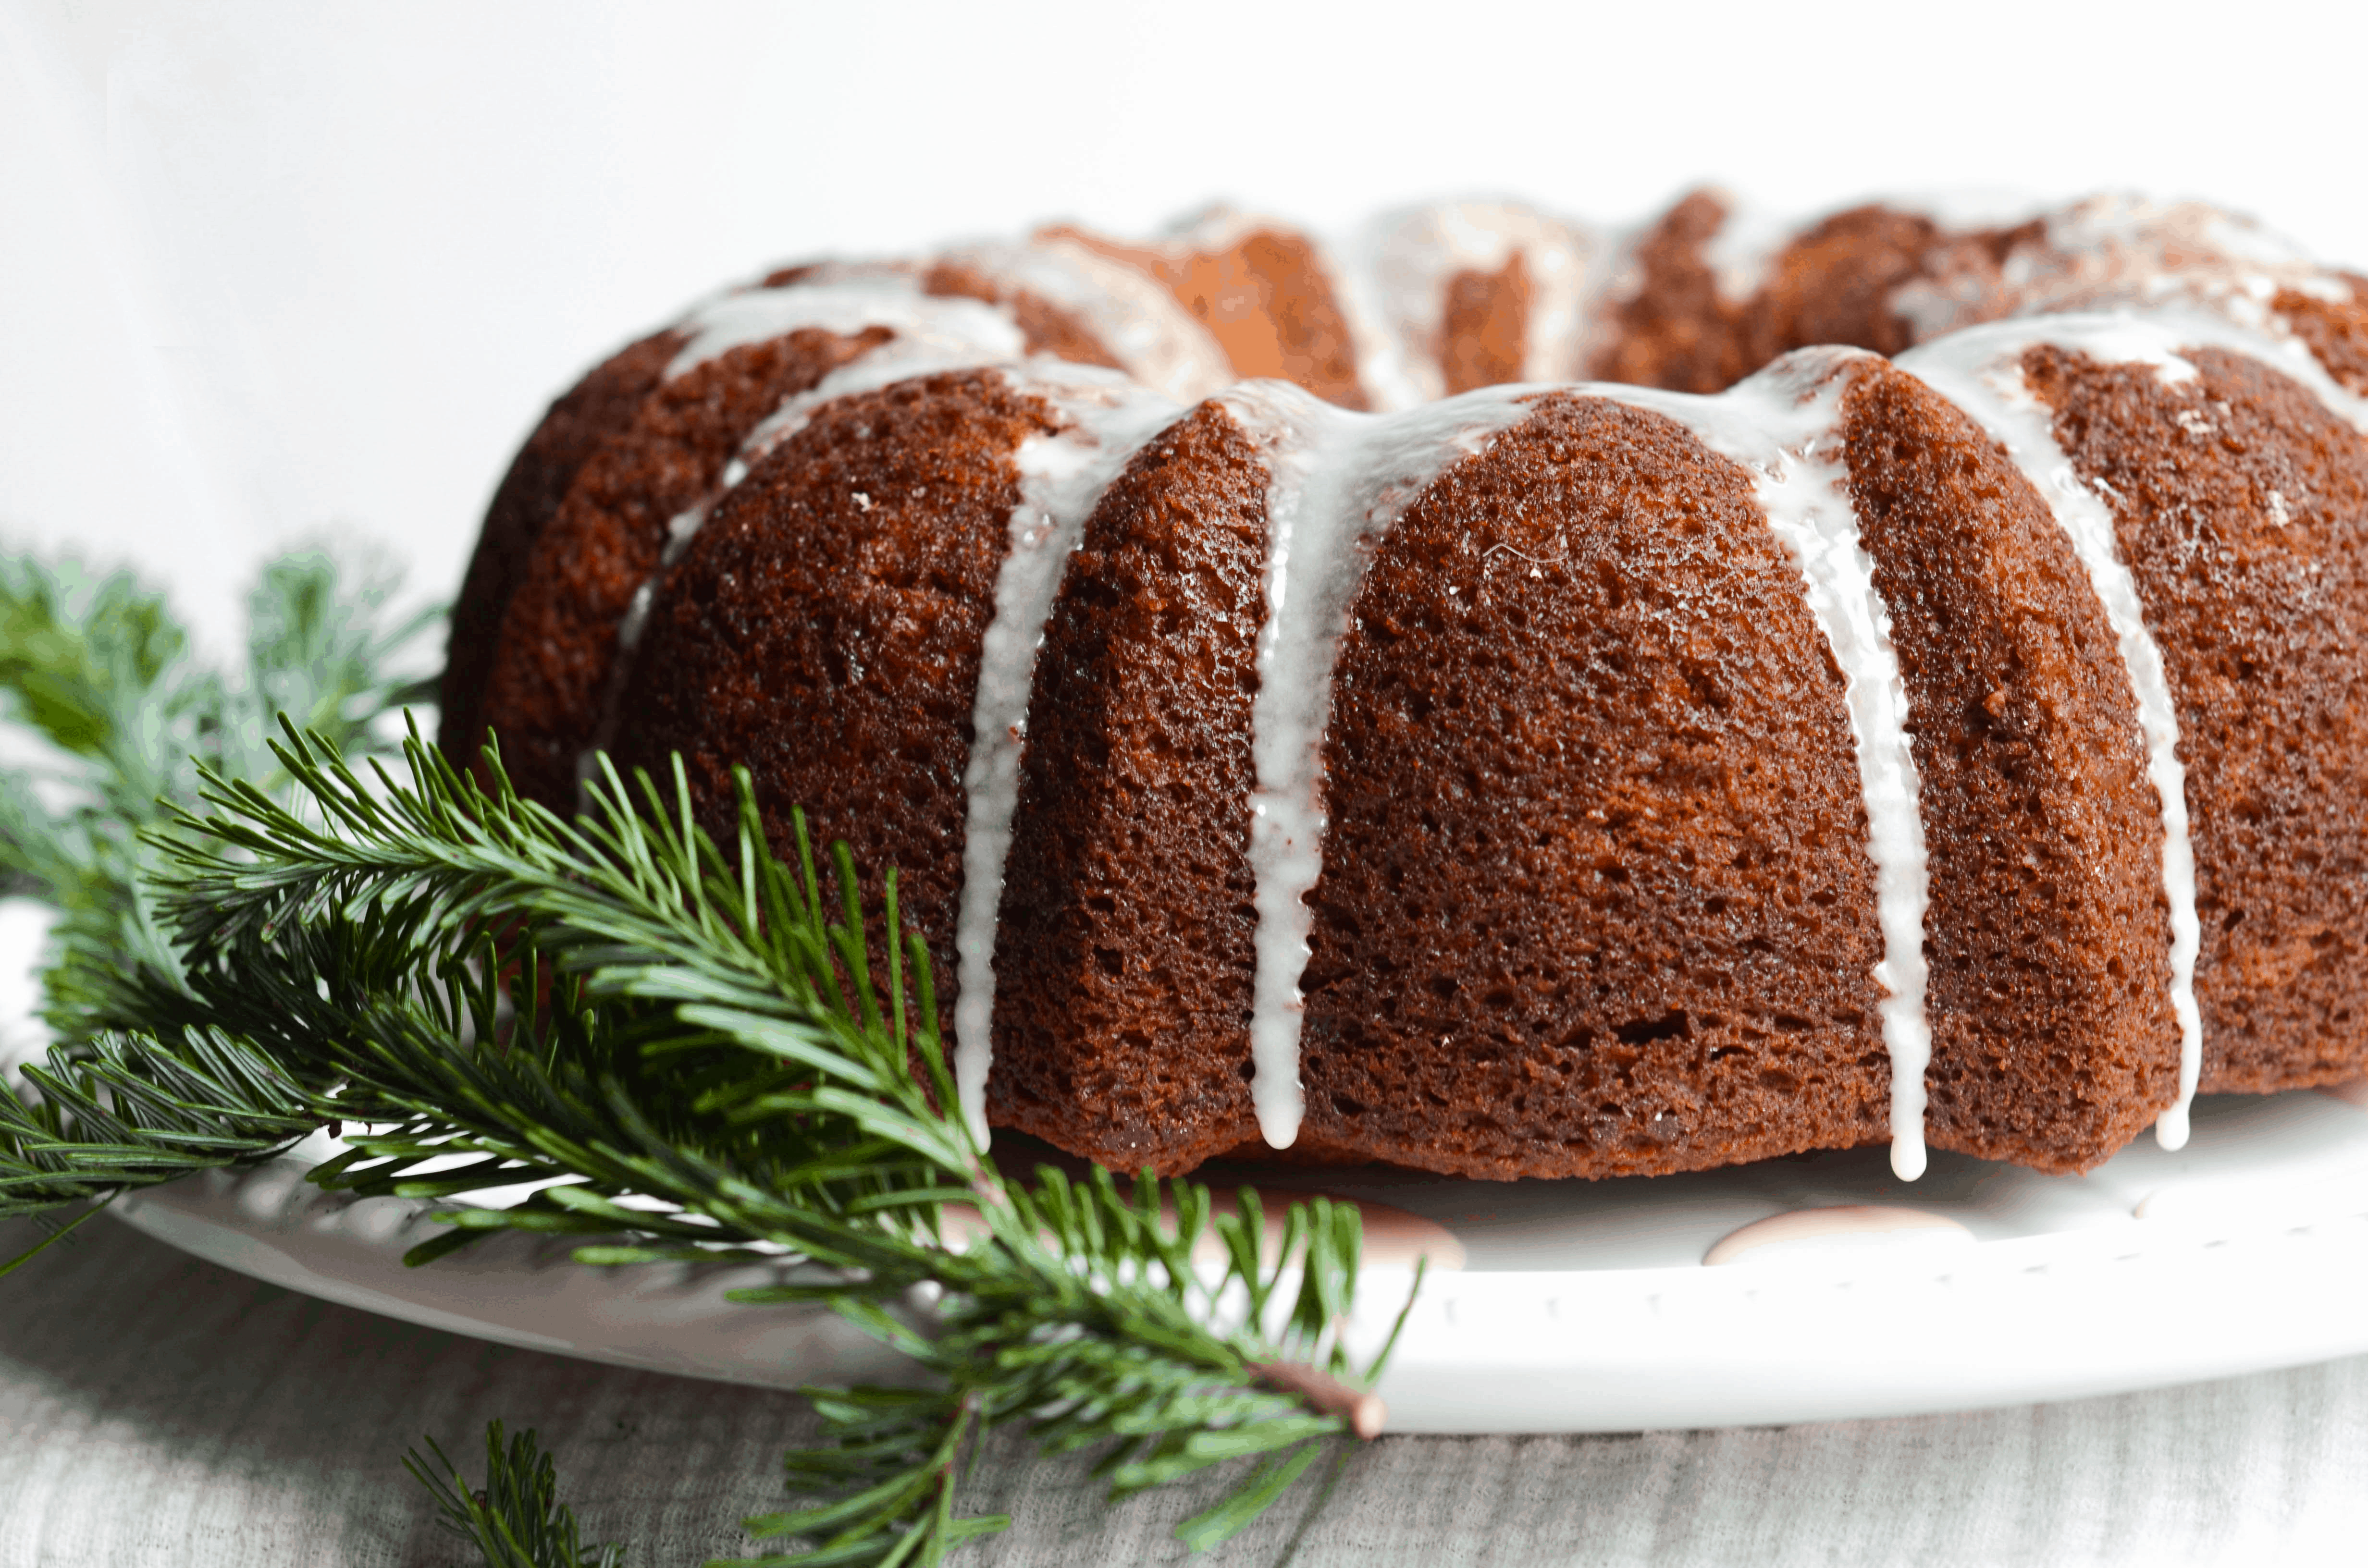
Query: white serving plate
x=1578 y=1306
x=1573 y=1307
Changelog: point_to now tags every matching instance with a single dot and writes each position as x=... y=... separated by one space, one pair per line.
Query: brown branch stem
x=1362 y=1409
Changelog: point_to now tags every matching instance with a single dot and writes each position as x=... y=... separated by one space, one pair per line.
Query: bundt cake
x=1769 y=745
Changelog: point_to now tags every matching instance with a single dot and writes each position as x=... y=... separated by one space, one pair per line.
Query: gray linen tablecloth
x=156 y=1410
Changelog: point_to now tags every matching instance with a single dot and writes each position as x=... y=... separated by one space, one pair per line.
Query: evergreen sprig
x=96 y=668
x=112 y=716
x=131 y=1110
x=688 y=1050
x=516 y=1519
x=699 y=1059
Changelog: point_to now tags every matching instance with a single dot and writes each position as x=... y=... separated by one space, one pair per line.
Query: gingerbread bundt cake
x=1788 y=748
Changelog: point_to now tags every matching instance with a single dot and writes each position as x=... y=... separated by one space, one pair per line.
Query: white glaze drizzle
x=1338 y=480
x=904 y=358
x=1980 y=370
x=1063 y=477
x=1399 y=267
x=938 y=347
x=930 y=334
x=847 y=300
x=2111 y=252
x=1747 y=242
x=2102 y=252
x=2243 y=326
x=1134 y=315
x=1391 y=365
x=1779 y=424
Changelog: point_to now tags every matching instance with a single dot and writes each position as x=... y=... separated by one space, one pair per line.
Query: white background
x=271 y=271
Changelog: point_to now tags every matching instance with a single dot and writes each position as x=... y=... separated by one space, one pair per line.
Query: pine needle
x=692 y=1045
x=514 y=1519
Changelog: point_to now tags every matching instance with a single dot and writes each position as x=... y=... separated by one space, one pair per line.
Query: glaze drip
x=1780 y=424
x=1063 y=477
x=1340 y=480
x=1980 y=370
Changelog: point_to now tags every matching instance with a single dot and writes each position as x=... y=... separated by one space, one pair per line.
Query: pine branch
x=131 y=1110
x=516 y=1519
x=689 y=1050
x=96 y=668
x=697 y=1057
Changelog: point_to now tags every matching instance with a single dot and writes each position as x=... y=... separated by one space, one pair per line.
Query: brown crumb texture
x=596 y=408
x=1596 y=898
x=2236 y=499
x=1835 y=283
x=1484 y=326
x=1840 y=281
x=2335 y=331
x=1123 y=978
x=1265 y=298
x=1674 y=330
x=1046 y=327
x=2048 y=934
x=558 y=655
x=1846 y=280
x=824 y=630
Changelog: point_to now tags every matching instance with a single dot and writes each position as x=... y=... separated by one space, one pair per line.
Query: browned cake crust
x=1046 y=327
x=1267 y=301
x=2236 y=499
x=1834 y=283
x=1484 y=324
x=1124 y=981
x=823 y=630
x=558 y=650
x=1674 y=331
x=1597 y=896
x=596 y=408
x=2047 y=935
x=1595 y=872
x=1839 y=281
x=2336 y=331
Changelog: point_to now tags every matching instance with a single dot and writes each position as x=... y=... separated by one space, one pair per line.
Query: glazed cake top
x=1107 y=344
